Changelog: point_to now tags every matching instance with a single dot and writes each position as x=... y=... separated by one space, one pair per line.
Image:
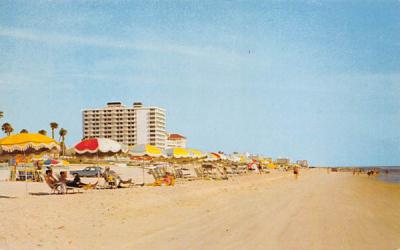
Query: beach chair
x=208 y=171
x=60 y=188
x=157 y=174
x=177 y=172
x=199 y=172
x=159 y=177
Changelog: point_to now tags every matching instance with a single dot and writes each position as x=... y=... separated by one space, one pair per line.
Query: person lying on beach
x=76 y=182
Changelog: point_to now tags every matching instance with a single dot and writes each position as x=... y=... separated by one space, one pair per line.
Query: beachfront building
x=128 y=125
x=176 y=141
x=285 y=161
x=302 y=163
x=282 y=162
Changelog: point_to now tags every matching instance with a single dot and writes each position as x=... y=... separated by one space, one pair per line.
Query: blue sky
x=318 y=80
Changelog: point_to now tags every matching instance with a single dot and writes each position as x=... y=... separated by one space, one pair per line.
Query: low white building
x=176 y=141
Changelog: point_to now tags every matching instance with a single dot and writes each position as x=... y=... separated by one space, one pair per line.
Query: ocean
x=393 y=176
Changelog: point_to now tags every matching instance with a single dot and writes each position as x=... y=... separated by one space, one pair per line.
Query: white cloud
x=58 y=38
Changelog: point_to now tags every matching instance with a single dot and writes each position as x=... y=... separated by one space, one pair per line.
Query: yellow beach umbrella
x=196 y=153
x=244 y=159
x=178 y=153
x=25 y=142
x=271 y=165
x=146 y=150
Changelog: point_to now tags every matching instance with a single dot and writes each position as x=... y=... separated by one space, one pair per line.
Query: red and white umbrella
x=99 y=145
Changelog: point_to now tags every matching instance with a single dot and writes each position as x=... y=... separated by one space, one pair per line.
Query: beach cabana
x=19 y=146
x=26 y=143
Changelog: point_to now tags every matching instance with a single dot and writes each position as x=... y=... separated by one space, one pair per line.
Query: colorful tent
x=146 y=150
x=27 y=142
x=99 y=145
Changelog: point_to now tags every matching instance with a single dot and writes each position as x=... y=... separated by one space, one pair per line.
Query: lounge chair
x=114 y=181
x=60 y=188
x=159 y=178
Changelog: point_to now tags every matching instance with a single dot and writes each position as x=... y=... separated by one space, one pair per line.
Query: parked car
x=88 y=172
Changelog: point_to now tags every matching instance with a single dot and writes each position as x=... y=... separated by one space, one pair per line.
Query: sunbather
x=53 y=183
x=76 y=182
x=112 y=177
x=169 y=179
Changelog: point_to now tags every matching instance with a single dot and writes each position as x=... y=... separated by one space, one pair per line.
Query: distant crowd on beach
x=358 y=171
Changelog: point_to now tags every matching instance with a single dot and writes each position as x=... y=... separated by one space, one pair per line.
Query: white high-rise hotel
x=128 y=125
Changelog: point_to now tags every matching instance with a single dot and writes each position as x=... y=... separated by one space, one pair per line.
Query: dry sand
x=318 y=211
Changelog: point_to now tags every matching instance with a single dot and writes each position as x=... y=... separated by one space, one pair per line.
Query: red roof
x=176 y=137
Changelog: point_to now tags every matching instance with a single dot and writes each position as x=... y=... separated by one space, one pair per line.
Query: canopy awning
x=146 y=150
x=25 y=141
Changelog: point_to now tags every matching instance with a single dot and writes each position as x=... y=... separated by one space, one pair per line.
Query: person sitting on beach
x=50 y=179
x=112 y=177
x=169 y=179
x=53 y=182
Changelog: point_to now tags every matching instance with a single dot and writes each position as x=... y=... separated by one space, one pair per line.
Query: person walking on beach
x=259 y=168
x=296 y=172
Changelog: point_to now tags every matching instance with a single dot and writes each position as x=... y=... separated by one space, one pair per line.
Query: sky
x=316 y=80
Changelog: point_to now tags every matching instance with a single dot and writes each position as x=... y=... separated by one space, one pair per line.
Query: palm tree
x=63 y=132
x=53 y=126
x=1 y=114
x=23 y=131
x=7 y=128
x=42 y=132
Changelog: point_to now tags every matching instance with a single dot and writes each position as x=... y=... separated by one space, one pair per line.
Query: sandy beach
x=318 y=211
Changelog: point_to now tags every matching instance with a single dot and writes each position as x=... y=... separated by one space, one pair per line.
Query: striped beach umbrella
x=197 y=154
x=99 y=145
x=141 y=150
x=178 y=153
x=25 y=142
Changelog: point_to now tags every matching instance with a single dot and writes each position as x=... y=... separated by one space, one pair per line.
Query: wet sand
x=318 y=211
